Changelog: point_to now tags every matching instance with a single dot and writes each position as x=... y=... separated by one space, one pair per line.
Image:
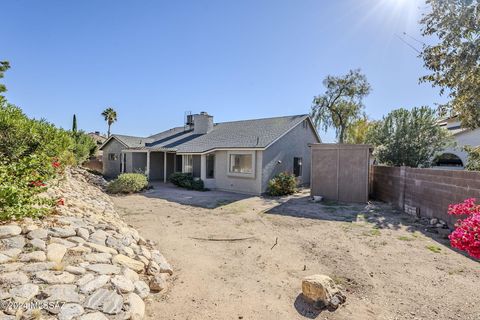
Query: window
x=112 y=156
x=241 y=163
x=210 y=166
x=178 y=163
x=297 y=167
x=187 y=163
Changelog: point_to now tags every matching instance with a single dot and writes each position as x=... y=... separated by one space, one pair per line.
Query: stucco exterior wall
x=224 y=181
x=111 y=168
x=293 y=144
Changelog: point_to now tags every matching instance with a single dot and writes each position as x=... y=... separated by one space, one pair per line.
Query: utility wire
x=408 y=44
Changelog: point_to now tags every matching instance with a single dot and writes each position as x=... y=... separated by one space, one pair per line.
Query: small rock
x=26 y=291
x=55 y=277
x=128 y=262
x=76 y=239
x=4 y=258
x=95 y=284
x=9 y=231
x=322 y=292
x=137 y=307
x=123 y=284
x=64 y=292
x=85 y=279
x=93 y=316
x=130 y=274
x=55 y=252
x=39 y=266
x=165 y=267
x=142 y=289
x=106 y=300
x=38 y=243
x=98 y=237
x=158 y=282
x=99 y=257
x=13 y=278
x=145 y=252
x=128 y=252
x=83 y=233
x=80 y=249
x=153 y=268
x=104 y=268
x=70 y=310
x=38 y=234
x=62 y=232
x=75 y=270
x=9 y=267
x=12 y=253
x=63 y=242
x=36 y=256
x=100 y=248
x=14 y=242
x=433 y=221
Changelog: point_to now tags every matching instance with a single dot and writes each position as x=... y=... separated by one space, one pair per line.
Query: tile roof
x=256 y=133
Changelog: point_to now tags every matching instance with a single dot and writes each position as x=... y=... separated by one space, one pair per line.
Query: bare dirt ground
x=389 y=267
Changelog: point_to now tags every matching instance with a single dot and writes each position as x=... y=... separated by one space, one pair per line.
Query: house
x=455 y=157
x=239 y=156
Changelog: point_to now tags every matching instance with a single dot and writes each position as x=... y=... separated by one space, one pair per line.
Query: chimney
x=202 y=123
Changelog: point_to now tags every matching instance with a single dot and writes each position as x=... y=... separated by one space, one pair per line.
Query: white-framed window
x=187 y=163
x=241 y=163
x=112 y=157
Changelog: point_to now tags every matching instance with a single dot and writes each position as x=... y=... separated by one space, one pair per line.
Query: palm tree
x=110 y=116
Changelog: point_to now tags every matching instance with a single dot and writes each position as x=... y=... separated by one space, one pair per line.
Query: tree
x=408 y=138
x=341 y=104
x=357 y=131
x=455 y=59
x=4 y=66
x=473 y=162
x=110 y=116
x=74 y=124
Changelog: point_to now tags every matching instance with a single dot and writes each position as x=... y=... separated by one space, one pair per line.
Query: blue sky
x=154 y=60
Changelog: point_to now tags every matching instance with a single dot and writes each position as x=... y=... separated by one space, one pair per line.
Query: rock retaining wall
x=81 y=263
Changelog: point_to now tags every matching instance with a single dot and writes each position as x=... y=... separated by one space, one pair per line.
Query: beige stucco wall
x=225 y=181
x=111 y=168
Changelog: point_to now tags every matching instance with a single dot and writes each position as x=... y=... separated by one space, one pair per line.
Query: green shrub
x=128 y=183
x=282 y=184
x=31 y=153
x=473 y=163
x=187 y=181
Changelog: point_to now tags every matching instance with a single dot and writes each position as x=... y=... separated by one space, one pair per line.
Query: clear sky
x=236 y=59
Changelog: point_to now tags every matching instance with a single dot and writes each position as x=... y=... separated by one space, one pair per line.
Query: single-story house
x=239 y=156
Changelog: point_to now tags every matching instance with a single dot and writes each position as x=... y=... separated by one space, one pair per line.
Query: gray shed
x=340 y=171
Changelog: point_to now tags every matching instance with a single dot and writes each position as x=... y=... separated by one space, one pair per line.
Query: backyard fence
x=427 y=192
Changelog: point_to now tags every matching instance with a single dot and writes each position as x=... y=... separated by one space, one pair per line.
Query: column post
x=147 y=171
x=164 y=167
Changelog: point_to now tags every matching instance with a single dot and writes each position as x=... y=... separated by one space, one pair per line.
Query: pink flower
x=60 y=202
x=56 y=164
x=466 y=236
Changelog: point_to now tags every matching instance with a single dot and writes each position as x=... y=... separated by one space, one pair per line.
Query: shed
x=340 y=171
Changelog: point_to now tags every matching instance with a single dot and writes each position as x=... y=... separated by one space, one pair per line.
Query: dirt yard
x=388 y=265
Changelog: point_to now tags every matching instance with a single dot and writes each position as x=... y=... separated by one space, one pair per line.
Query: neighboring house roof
x=251 y=134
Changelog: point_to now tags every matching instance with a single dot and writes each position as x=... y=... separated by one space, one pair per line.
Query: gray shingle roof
x=256 y=133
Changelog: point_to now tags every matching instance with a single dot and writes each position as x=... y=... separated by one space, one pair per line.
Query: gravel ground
x=389 y=266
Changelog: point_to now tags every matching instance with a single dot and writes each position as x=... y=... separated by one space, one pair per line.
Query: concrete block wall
x=428 y=190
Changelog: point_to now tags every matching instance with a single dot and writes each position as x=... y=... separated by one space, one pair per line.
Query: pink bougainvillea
x=466 y=236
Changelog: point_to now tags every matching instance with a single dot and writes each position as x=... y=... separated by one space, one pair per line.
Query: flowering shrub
x=32 y=152
x=466 y=236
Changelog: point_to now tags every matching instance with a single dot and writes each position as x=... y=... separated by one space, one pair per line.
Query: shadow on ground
x=306 y=309
x=203 y=199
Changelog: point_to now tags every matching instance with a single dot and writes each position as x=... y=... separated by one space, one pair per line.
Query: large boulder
x=322 y=292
